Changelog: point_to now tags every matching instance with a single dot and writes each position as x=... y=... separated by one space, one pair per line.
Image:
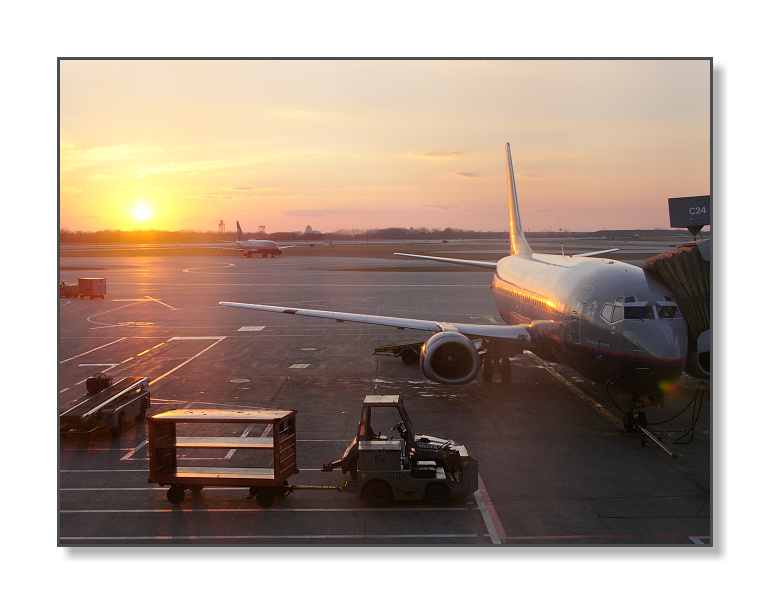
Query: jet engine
x=449 y=358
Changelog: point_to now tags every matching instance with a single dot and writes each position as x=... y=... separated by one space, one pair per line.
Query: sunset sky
x=360 y=144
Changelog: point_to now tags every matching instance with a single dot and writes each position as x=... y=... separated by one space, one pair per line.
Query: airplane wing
x=454 y=261
x=506 y=332
x=598 y=252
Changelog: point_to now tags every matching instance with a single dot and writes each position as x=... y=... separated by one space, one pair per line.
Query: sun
x=142 y=212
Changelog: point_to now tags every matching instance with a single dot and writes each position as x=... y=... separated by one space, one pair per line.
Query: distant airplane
x=612 y=322
x=264 y=247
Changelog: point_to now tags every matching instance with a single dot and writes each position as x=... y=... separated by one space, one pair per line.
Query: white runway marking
x=92 y=350
x=93 y=365
x=272 y=538
x=159 y=302
x=251 y=328
x=133 y=451
x=184 y=363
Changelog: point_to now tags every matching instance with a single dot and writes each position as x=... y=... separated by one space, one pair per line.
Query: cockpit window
x=612 y=313
x=668 y=312
x=644 y=312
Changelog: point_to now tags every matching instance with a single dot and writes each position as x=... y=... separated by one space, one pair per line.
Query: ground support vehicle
x=68 y=290
x=263 y=464
x=409 y=467
x=409 y=352
x=92 y=287
x=108 y=406
x=386 y=472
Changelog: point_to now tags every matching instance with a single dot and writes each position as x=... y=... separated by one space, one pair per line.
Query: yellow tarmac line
x=590 y=400
x=488 y=513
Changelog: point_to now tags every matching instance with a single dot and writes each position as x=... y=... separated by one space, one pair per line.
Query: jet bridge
x=687 y=273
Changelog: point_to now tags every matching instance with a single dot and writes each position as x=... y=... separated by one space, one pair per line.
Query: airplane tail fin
x=519 y=244
x=240 y=232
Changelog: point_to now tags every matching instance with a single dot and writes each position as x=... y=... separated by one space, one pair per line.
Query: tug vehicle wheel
x=377 y=493
x=437 y=494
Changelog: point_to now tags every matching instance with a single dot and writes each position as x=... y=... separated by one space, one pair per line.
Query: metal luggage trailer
x=174 y=434
x=112 y=408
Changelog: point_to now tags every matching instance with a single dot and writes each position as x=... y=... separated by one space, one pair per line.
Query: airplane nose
x=664 y=340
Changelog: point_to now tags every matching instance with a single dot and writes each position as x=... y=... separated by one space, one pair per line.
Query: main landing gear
x=489 y=366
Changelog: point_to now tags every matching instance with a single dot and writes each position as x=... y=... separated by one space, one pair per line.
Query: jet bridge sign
x=688 y=212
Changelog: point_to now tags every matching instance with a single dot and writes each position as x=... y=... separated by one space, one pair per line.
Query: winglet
x=240 y=232
x=519 y=244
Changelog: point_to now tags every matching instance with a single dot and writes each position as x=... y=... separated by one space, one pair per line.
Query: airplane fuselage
x=259 y=246
x=608 y=320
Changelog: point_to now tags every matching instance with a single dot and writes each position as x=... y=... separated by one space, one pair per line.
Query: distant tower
x=221 y=227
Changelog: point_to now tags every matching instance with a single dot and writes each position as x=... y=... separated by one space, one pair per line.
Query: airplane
x=264 y=247
x=612 y=322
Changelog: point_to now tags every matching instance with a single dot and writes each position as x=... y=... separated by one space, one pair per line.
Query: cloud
x=435 y=155
x=74 y=158
x=451 y=207
x=313 y=213
x=156 y=171
x=465 y=175
x=249 y=190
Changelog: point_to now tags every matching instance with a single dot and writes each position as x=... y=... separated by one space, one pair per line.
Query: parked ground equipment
x=261 y=463
x=108 y=406
x=92 y=287
x=408 y=466
x=402 y=466
x=409 y=352
x=68 y=290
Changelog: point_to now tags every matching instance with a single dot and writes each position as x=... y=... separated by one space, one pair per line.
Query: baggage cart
x=92 y=287
x=110 y=408
x=261 y=463
x=409 y=352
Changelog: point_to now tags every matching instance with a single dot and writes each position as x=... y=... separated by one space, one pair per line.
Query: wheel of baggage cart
x=437 y=494
x=283 y=489
x=175 y=494
x=196 y=489
x=377 y=493
x=265 y=495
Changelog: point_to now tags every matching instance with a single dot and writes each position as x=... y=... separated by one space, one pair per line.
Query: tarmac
x=556 y=467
